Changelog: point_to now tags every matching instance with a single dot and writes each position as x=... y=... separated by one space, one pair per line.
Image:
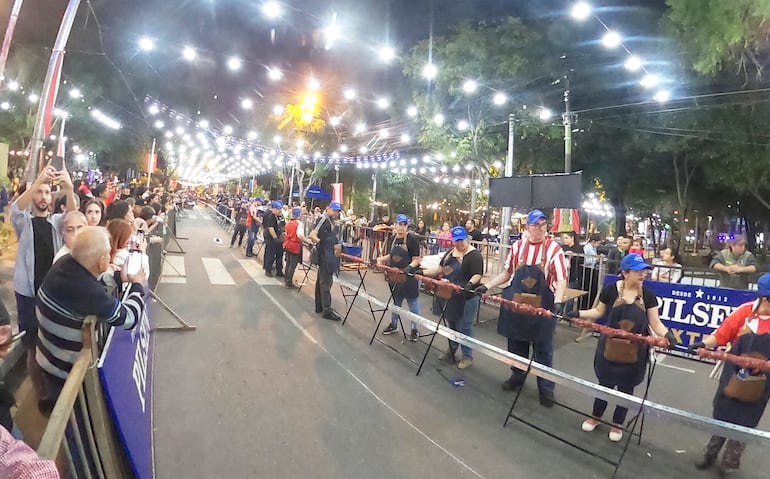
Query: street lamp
x=499 y=99
x=189 y=54
x=611 y=39
x=633 y=63
x=272 y=10
x=146 y=44
x=470 y=86
x=234 y=63
x=387 y=54
x=581 y=11
x=429 y=71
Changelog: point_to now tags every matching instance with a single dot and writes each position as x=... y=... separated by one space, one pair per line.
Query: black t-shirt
x=42 y=232
x=411 y=242
x=476 y=235
x=574 y=262
x=270 y=220
x=610 y=293
x=473 y=264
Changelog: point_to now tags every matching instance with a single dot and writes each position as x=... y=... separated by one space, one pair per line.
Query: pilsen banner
x=693 y=311
x=337 y=192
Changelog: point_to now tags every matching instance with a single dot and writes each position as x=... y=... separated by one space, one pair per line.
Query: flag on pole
x=566 y=219
x=48 y=114
x=337 y=192
x=61 y=148
x=151 y=162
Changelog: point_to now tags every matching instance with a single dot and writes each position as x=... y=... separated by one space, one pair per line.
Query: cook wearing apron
x=621 y=363
x=742 y=394
x=324 y=236
x=404 y=254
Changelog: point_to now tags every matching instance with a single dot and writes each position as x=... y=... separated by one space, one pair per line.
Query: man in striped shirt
x=536 y=272
x=69 y=293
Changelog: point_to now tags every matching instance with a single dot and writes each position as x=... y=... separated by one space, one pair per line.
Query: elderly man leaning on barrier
x=69 y=293
x=536 y=274
x=742 y=394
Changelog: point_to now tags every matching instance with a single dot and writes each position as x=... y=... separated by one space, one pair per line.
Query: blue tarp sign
x=125 y=369
x=692 y=311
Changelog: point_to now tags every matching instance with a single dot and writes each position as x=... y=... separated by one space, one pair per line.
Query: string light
x=146 y=44
x=189 y=54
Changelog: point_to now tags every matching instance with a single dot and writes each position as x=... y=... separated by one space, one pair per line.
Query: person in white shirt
x=668 y=269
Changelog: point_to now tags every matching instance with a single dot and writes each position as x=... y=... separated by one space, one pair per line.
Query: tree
x=722 y=34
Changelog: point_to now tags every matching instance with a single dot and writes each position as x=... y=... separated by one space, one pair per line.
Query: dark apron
x=399 y=258
x=734 y=410
x=528 y=280
x=609 y=367
x=452 y=271
x=326 y=249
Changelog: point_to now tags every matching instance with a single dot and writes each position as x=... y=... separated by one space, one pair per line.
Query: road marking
x=173 y=270
x=659 y=358
x=365 y=386
x=206 y=217
x=256 y=272
x=217 y=272
x=192 y=216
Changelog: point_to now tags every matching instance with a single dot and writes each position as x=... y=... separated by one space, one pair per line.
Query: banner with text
x=125 y=369
x=693 y=311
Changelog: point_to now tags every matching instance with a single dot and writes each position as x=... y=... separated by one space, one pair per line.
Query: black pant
x=239 y=231
x=323 y=288
x=273 y=254
x=292 y=260
x=600 y=405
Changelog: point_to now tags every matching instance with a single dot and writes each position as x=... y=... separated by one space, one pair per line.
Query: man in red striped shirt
x=536 y=272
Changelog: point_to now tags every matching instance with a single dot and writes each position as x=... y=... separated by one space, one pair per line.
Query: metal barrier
x=80 y=425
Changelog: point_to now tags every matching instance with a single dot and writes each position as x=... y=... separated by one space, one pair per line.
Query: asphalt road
x=267 y=388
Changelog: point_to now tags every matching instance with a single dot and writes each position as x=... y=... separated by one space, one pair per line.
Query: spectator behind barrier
x=668 y=269
x=734 y=264
x=70 y=293
x=71 y=224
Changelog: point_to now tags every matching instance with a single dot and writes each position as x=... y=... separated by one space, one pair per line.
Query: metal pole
x=9 y=36
x=505 y=223
x=567 y=120
x=473 y=193
x=48 y=95
x=374 y=195
x=337 y=173
x=291 y=180
x=151 y=163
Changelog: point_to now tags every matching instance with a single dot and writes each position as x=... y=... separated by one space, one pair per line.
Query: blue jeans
x=414 y=307
x=250 y=242
x=543 y=353
x=464 y=325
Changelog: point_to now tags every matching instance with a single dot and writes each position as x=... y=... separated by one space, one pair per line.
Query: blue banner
x=125 y=369
x=692 y=311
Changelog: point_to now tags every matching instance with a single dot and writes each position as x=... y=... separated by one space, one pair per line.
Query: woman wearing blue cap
x=742 y=395
x=403 y=253
x=620 y=363
x=463 y=266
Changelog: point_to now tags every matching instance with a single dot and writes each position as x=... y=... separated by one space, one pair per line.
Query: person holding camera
x=621 y=363
x=742 y=394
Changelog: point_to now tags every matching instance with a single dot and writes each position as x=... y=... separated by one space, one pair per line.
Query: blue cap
x=259 y=198
x=459 y=233
x=335 y=206
x=402 y=218
x=277 y=204
x=763 y=285
x=296 y=212
x=534 y=216
x=634 y=262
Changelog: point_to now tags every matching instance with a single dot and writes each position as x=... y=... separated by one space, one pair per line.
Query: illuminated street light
x=276 y=139
x=411 y=111
x=470 y=86
x=499 y=99
x=33 y=98
x=383 y=103
x=387 y=54
x=581 y=11
x=384 y=133
x=462 y=125
x=247 y=104
x=349 y=94
x=438 y=119
x=300 y=143
x=633 y=63
x=234 y=63
x=153 y=109
x=611 y=39
x=344 y=148
x=278 y=110
x=146 y=44
x=334 y=121
x=159 y=124
x=203 y=124
x=272 y=10
x=13 y=85
x=405 y=138
x=227 y=130
x=313 y=84
x=662 y=96
x=649 y=81
x=75 y=93
x=430 y=71
x=253 y=135
x=274 y=73
x=545 y=114
x=360 y=128
x=189 y=54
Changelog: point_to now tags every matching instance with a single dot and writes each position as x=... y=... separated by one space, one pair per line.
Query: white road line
x=256 y=272
x=173 y=271
x=192 y=216
x=366 y=387
x=217 y=272
x=659 y=358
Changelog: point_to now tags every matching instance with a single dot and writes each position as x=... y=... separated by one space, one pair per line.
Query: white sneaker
x=589 y=425
x=616 y=434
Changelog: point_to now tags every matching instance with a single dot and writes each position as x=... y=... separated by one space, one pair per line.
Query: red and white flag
x=337 y=192
x=566 y=219
x=48 y=112
x=151 y=162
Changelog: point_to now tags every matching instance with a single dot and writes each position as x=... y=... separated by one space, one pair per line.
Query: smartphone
x=134 y=263
x=13 y=338
x=135 y=240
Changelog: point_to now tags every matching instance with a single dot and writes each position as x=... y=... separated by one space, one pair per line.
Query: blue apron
x=631 y=317
x=528 y=280
x=734 y=410
x=399 y=258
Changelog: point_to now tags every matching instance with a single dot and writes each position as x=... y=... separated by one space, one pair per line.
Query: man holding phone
x=40 y=237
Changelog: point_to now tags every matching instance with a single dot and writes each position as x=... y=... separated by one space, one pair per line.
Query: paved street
x=266 y=388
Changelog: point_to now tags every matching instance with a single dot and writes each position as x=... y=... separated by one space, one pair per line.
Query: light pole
x=374 y=195
x=505 y=224
x=9 y=36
